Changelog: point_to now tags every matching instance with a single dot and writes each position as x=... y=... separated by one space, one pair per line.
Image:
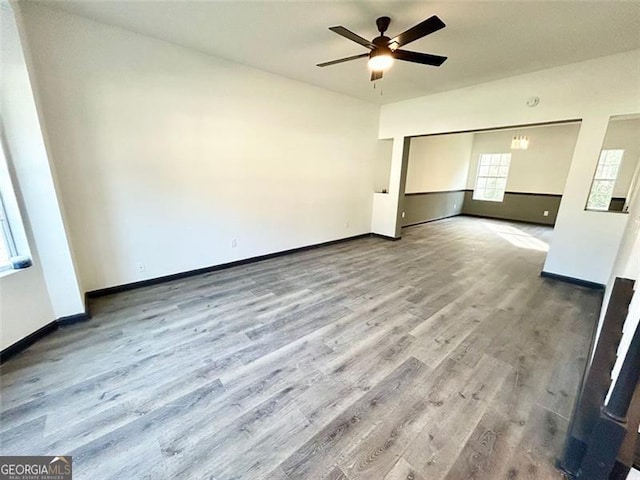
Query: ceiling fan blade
x=340 y=60
x=353 y=37
x=376 y=75
x=417 y=57
x=430 y=25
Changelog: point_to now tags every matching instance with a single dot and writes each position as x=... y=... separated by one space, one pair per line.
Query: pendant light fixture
x=519 y=142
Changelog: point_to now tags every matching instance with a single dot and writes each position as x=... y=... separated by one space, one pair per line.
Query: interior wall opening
x=510 y=173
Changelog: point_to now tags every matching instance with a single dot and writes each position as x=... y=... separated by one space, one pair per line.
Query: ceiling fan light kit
x=380 y=60
x=384 y=50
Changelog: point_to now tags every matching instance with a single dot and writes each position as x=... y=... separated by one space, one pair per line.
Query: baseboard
x=437 y=192
x=572 y=280
x=526 y=222
x=39 y=334
x=72 y=319
x=531 y=194
x=430 y=220
x=214 y=268
x=32 y=338
x=26 y=342
x=385 y=237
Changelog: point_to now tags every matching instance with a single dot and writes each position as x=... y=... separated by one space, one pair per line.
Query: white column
x=26 y=151
x=585 y=243
x=387 y=207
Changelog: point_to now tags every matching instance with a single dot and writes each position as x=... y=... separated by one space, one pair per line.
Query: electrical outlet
x=140 y=267
x=545 y=213
x=347 y=223
x=455 y=205
x=234 y=243
x=402 y=214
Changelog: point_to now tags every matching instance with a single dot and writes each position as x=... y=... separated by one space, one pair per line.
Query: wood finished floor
x=440 y=356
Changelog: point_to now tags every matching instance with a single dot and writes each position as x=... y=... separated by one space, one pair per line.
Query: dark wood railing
x=601 y=438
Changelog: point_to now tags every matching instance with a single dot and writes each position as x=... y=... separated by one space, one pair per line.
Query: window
x=12 y=253
x=493 y=169
x=7 y=246
x=605 y=178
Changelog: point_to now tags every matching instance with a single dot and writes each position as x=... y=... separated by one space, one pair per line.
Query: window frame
x=6 y=238
x=12 y=236
x=600 y=179
x=500 y=164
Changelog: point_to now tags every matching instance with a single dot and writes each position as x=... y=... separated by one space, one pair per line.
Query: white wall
x=384 y=209
x=382 y=166
x=24 y=305
x=386 y=206
x=450 y=162
x=542 y=168
x=584 y=243
x=31 y=298
x=439 y=163
x=165 y=155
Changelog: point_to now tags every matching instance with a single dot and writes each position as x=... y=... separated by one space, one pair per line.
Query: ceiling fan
x=383 y=50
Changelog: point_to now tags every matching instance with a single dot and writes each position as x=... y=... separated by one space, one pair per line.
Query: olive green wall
x=424 y=207
x=525 y=207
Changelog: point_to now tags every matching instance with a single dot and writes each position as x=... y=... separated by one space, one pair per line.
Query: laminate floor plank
x=538 y=448
x=436 y=447
x=376 y=453
x=402 y=470
x=336 y=474
x=565 y=379
x=315 y=458
x=442 y=355
x=493 y=440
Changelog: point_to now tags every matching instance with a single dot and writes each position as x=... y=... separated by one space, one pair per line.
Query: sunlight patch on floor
x=517 y=237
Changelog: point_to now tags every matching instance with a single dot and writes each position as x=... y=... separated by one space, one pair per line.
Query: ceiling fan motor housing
x=383 y=24
x=382 y=46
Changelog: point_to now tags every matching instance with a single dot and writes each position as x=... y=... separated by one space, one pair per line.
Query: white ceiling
x=483 y=40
